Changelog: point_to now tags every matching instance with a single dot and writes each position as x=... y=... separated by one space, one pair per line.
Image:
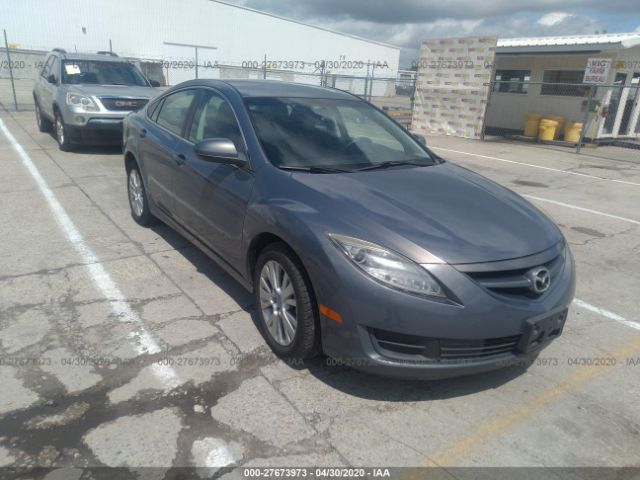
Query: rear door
x=157 y=142
x=211 y=197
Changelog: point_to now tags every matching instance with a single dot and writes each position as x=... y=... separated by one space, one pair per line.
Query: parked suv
x=86 y=96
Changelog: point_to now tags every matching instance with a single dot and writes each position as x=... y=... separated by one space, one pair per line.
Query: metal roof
x=569 y=43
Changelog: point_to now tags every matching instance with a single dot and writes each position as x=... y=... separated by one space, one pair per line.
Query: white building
x=177 y=31
x=562 y=60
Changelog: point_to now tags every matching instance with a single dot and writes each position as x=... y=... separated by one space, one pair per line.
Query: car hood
x=115 y=91
x=453 y=213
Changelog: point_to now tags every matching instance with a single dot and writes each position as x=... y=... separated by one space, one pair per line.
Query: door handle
x=143 y=133
x=180 y=158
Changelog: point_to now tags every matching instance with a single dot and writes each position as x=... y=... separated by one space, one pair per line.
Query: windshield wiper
x=393 y=163
x=313 y=169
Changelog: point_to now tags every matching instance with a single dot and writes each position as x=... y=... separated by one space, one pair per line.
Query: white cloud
x=553 y=18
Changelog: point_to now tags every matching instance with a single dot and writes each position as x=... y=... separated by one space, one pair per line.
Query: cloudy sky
x=406 y=22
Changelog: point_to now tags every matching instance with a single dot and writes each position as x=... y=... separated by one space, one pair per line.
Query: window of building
x=512 y=81
x=567 y=83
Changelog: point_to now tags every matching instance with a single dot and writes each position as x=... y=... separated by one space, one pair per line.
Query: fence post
x=13 y=86
x=483 y=127
x=196 y=62
x=264 y=68
x=586 y=119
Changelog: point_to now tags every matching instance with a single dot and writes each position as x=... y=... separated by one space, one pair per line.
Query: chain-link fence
x=393 y=93
x=569 y=114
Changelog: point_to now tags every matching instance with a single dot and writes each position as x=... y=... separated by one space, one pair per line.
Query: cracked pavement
x=77 y=392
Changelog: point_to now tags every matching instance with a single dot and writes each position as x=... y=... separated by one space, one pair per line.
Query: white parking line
x=606 y=313
x=143 y=341
x=537 y=166
x=582 y=209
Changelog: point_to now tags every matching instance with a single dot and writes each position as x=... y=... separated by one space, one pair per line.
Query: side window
x=174 y=110
x=153 y=109
x=214 y=118
x=55 y=68
x=46 y=67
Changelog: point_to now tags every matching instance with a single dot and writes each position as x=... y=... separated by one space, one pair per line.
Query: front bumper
x=421 y=334
x=97 y=130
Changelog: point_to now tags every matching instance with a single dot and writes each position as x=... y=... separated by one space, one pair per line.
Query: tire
x=138 y=201
x=61 y=134
x=44 y=124
x=304 y=343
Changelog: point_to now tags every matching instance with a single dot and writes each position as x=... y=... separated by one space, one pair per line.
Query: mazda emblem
x=540 y=279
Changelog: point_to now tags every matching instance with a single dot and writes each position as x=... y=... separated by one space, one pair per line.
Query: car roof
x=89 y=56
x=276 y=88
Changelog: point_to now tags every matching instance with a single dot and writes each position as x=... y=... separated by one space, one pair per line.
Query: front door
x=629 y=125
x=211 y=197
x=623 y=107
x=612 y=104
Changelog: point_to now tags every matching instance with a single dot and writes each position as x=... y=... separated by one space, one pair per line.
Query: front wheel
x=44 y=124
x=62 y=136
x=285 y=304
x=138 y=199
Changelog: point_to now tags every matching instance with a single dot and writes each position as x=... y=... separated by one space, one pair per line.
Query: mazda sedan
x=355 y=239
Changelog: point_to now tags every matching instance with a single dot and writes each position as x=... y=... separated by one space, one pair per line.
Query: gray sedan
x=355 y=238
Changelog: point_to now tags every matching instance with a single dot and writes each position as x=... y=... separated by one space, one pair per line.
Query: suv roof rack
x=59 y=50
x=106 y=52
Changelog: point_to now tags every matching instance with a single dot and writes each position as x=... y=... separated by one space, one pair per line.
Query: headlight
x=388 y=267
x=81 y=102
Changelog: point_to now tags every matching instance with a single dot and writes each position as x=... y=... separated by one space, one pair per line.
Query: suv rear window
x=102 y=73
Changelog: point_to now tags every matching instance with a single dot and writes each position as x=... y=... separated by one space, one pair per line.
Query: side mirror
x=154 y=83
x=51 y=78
x=219 y=150
x=420 y=139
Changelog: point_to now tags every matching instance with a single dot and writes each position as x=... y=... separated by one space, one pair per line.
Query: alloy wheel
x=59 y=130
x=136 y=193
x=38 y=116
x=278 y=303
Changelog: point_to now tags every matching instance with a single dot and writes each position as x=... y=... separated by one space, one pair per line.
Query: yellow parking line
x=479 y=437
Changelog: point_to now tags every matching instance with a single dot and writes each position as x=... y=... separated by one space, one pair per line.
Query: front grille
x=120 y=104
x=402 y=346
x=457 y=349
x=514 y=282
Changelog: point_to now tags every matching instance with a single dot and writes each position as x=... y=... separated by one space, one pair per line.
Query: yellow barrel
x=531 y=121
x=572 y=132
x=547 y=129
x=561 y=121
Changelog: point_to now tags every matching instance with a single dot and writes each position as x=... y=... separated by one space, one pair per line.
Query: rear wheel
x=285 y=304
x=44 y=124
x=62 y=136
x=138 y=198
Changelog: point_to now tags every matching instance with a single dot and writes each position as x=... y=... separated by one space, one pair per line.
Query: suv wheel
x=62 y=136
x=44 y=124
x=138 y=199
x=285 y=305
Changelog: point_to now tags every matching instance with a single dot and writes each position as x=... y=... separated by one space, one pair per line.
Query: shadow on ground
x=331 y=372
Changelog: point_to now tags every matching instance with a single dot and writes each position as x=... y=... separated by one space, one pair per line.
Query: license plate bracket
x=540 y=331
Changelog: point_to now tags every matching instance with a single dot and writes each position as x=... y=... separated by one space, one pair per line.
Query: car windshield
x=331 y=133
x=102 y=73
